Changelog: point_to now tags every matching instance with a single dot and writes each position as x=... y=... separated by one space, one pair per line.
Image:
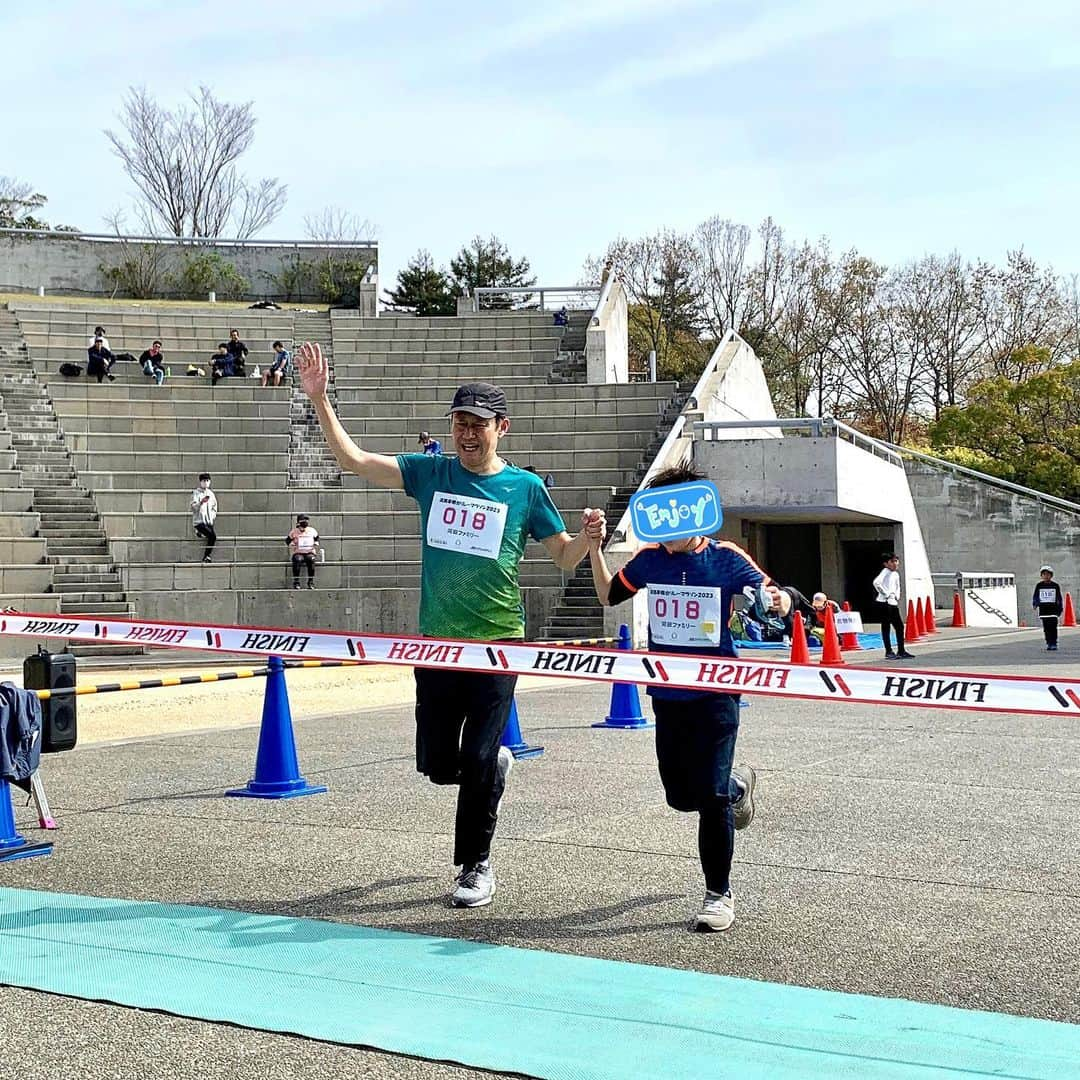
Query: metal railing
x=813 y=427
x=551 y=297
x=197 y=241
x=986 y=478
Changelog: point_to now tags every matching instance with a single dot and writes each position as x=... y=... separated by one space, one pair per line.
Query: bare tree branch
x=183 y=164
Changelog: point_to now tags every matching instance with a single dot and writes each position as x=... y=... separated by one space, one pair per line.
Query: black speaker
x=53 y=671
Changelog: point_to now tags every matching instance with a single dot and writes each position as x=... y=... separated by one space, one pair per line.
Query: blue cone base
x=25 y=850
x=255 y=790
x=626 y=722
x=521 y=751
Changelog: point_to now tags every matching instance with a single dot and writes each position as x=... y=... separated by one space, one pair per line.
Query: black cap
x=302 y=517
x=481 y=399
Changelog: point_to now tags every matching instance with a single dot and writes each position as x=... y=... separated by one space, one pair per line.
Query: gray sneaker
x=717 y=913
x=746 y=778
x=506 y=763
x=474 y=886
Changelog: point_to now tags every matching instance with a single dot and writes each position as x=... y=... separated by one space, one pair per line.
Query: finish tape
x=895 y=685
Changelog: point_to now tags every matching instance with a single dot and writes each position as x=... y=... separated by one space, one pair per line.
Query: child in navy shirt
x=690 y=585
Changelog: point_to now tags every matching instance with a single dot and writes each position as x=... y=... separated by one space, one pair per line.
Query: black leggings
x=890 y=617
x=208 y=534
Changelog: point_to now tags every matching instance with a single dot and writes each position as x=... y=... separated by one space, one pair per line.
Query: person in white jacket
x=204 y=514
x=887 y=588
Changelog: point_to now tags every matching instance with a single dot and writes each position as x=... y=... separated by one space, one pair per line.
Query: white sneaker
x=743 y=806
x=474 y=886
x=505 y=764
x=717 y=913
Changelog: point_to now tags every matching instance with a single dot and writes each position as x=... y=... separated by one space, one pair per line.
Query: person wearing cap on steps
x=428 y=444
x=477 y=513
x=695 y=729
x=303 y=543
x=887 y=590
x=1046 y=600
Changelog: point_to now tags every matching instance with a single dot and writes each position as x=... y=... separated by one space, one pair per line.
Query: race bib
x=1048 y=596
x=305 y=544
x=686 y=615
x=471 y=526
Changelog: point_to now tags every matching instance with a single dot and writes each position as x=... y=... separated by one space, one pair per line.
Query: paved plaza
x=899 y=852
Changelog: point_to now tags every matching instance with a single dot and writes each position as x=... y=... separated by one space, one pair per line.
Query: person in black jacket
x=1046 y=600
x=99 y=360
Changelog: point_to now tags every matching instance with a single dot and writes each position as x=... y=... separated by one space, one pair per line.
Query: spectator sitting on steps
x=99 y=332
x=428 y=445
x=277 y=371
x=238 y=351
x=221 y=363
x=303 y=543
x=153 y=362
x=99 y=361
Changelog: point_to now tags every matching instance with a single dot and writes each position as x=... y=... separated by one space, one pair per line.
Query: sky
x=900 y=128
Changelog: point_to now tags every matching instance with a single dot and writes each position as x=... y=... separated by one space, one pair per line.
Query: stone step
x=106 y=650
x=94 y=607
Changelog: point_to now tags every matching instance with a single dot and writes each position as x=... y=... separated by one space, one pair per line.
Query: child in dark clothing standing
x=1046 y=600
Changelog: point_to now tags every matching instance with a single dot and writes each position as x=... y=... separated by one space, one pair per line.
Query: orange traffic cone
x=929 y=620
x=850 y=640
x=830 y=652
x=957 y=610
x=1070 y=615
x=920 y=619
x=911 y=627
x=800 y=653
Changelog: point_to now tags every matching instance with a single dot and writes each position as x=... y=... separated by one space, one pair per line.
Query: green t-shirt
x=473 y=535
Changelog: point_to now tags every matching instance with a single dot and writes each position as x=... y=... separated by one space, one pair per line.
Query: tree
x=488 y=264
x=18 y=201
x=658 y=273
x=183 y=164
x=1021 y=305
x=1025 y=431
x=721 y=273
x=422 y=288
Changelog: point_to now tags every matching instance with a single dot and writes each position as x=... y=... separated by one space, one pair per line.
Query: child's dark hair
x=681 y=474
x=204 y=476
x=889 y=556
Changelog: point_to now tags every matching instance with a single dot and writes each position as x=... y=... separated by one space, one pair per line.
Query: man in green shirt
x=477 y=514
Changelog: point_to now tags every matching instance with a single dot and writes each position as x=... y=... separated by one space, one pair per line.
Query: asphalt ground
x=904 y=852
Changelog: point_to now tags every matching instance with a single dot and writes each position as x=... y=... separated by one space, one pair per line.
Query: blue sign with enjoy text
x=676 y=512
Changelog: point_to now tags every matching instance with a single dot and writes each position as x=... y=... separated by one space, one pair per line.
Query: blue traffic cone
x=277 y=770
x=625 y=705
x=512 y=738
x=12 y=845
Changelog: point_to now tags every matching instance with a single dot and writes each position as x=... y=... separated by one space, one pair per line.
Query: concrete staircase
x=579 y=614
x=311 y=464
x=571 y=365
x=84 y=575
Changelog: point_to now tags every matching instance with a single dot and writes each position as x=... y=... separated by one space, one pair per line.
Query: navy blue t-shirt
x=690 y=597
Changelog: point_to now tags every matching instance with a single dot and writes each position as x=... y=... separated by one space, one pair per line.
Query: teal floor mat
x=494 y=1007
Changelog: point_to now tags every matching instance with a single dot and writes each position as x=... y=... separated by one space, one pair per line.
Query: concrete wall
x=607 y=342
x=69 y=263
x=972 y=525
x=817 y=480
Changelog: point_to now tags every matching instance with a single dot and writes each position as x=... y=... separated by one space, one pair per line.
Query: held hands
x=314 y=370
x=594 y=525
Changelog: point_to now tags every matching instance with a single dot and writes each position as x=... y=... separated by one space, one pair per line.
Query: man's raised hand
x=314 y=370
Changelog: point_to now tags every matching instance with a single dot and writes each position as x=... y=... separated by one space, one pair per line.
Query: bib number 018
x=690 y=609
x=451 y=515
